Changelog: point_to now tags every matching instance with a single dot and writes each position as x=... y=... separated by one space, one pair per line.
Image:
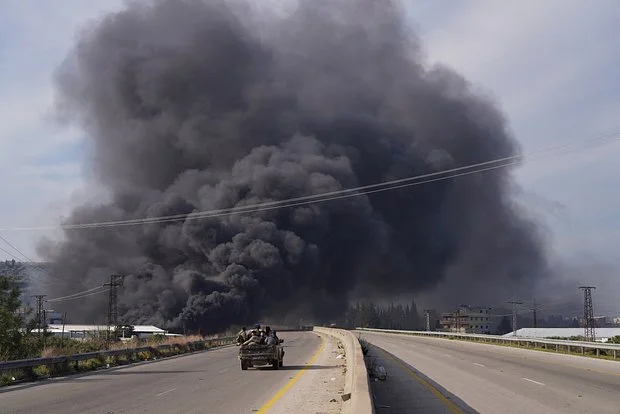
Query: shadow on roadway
x=308 y=367
x=408 y=390
x=292 y=367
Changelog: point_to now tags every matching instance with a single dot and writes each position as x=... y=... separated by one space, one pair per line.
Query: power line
x=33 y=262
x=292 y=202
x=83 y=296
x=78 y=295
x=505 y=314
x=10 y=254
x=17 y=259
x=332 y=195
x=15 y=248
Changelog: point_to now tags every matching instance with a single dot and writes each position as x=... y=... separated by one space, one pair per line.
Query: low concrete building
x=467 y=319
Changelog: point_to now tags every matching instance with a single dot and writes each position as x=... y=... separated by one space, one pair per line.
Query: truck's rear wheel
x=244 y=366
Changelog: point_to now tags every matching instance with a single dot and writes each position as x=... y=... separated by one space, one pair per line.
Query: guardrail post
x=614 y=354
x=583 y=350
x=598 y=352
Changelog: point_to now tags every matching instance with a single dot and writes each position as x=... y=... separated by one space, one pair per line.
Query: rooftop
x=601 y=333
x=94 y=328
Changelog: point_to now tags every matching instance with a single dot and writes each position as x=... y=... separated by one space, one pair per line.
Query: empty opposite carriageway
x=497 y=379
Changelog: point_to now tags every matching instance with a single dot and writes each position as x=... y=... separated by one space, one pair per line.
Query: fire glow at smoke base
x=188 y=106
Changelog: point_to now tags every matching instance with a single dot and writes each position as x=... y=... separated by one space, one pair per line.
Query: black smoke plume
x=199 y=105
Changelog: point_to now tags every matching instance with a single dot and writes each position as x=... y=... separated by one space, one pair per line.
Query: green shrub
x=41 y=371
x=5 y=379
x=614 y=340
x=90 y=364
x=144 y=356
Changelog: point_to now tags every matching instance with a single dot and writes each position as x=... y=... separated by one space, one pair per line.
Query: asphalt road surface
x=440 y=375
x=207 y=382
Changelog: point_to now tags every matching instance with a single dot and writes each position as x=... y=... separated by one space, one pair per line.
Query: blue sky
x=552 y=67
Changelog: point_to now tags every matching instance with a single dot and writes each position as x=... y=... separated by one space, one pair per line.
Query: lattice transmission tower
x=588 y=314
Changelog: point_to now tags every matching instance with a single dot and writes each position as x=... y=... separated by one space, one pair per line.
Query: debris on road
x=380 y=373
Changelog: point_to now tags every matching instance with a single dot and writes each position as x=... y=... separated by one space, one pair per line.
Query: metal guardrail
x=557 y=345
x=291 y=328
x=35 y=362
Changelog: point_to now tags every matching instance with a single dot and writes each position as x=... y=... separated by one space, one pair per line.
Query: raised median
x=357 y=390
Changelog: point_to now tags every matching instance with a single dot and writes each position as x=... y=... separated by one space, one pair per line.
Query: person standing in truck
x=242 y=336
x=272 y=339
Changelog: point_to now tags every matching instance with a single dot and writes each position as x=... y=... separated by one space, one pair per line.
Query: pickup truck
x=254 y=354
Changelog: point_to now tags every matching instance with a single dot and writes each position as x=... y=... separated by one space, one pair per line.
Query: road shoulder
x=320 y=388
x=405 y=389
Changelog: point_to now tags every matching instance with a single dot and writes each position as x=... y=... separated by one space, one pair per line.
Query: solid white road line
x=531 y=380
x=480 y=365
x=165 y=392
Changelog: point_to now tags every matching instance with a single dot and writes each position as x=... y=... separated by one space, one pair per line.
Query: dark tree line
x=370 y=315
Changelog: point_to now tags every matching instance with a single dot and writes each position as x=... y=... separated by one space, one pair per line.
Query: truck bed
x=251 y=355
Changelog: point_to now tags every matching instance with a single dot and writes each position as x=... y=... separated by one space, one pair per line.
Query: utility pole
x=40 y=317
x=64 y=321
x=514 y=315
x=588 y=313
x=534 y=315
x=45 y=313
x=458 y=320
x=427 y=312
x=115 y=281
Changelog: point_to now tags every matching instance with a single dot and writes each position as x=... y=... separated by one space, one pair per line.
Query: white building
x=83 y=331
x=602 y=334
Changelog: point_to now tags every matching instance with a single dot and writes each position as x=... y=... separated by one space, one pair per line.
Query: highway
x=440 y=375
x=206 y=382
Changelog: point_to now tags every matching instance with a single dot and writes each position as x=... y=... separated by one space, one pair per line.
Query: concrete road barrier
x=356 y=378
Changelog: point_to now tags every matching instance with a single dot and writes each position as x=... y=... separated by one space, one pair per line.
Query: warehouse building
x=602 y=334
x=85 y=331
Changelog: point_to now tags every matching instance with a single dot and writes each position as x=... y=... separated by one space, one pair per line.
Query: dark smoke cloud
x=193 y=105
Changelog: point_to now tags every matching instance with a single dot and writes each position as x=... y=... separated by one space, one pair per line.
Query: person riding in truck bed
x=261 y=337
